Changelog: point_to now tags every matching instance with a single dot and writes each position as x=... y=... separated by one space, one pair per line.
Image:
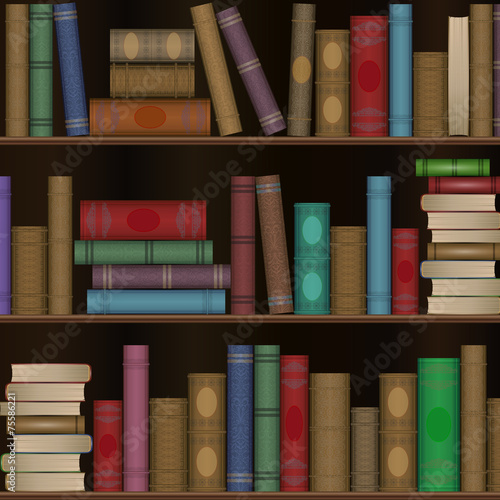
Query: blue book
x=240 y=418
x=70 y=62
x=156 y=301
x=400 y=70
x=378 y=251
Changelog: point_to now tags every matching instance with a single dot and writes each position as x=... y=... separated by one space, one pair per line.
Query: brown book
x=29 y=270
x=168 y=444
x=332 y=83
x=60 y=250
x=493 y=448
x=348 y=270
x=463 y=251
x=329 y=442
x=481 y=70
x=50 y=425
x=272 y=228
x=214 y=62
x=151 y=80
x=207 y=432
x=430 y=94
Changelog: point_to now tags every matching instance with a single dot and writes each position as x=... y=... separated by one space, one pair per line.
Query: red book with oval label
x=143 y=220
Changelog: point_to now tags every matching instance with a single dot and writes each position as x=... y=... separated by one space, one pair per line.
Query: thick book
x=452 y=167
x=70 y=63
x=466 y=287
x=156 y=301
x=41 y=408
x=50 y=372
x=5 y=245
x=460 y=202
x=463 y=251
x=405 y=271
x=496 y=69
x=42 y=482
x=53 y=443
x=458 y=236
x=240 y=388
x=43 y=391
x=49 y=425
x=493 y=441
x=438 y=424
x=152 y=116
x=400 y=70
x=251 y=71
x=41 y=462
x=460 y=269
x=369 y=111
x=463 y=305
x=464 y=185
x=463 y=220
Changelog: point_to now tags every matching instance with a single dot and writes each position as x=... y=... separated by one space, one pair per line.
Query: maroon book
x=464 y=185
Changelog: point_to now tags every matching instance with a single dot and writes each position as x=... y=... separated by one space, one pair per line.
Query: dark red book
x=243 y=245
x=464 y=185
x=405 y=271
x=108 y=445
x=369 y=108
x=294 y=440
x=143 y=220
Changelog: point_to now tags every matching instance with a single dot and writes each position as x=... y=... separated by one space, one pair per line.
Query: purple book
x=5 y=245
x=251 y=71
x=496 y=69
x=135 y=418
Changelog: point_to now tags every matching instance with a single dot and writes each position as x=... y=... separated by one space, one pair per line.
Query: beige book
x=463 y=220
x=41 y=462
x=46 y=392
x=44 y=408
x=478 y=236
x=50 y=372
x=53 y=443
x=458 y=202
x=458 y=268
x=493 y=444
x=47 y=424
x=41 y=481
x=463 y=305
x=466 y=287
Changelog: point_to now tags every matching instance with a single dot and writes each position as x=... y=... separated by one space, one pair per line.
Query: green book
x=453 y=168
x=267 y=417
x=439 y=424
x=41 y=21
x=143 y=252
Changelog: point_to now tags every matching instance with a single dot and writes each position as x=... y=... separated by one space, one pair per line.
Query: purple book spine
x=251 y=71
x=496 y=69
x=5 y=244
x=135 y=418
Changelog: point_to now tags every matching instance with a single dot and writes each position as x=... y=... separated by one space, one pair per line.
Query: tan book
x=458 y=202
x=53 y=443
x=463 y=220
x=463 y=251
x=458 y=269
x=40 y=408
x=463 y=305
x=493 y=444
x=41 y=462
x=46 y=392
x=466 y=287
x=50 y=372
x=458 y=236
x=49 y=425
x=41 y=481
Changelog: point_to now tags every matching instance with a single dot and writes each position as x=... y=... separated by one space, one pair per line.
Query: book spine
x=369 y=76
x=214 y=63
x=464 y=185
x=400 y=70
x=240 y=418
x=378 y=254
x=493 y=447
x=294 y=408
x=40 y=104
x=5 y=244
x=243 y=245
x=250 y=70
x=156 y=301
x=312 y=258
x=150 y=80
x=267 y=418
x=70 y=62
x=50 y=425
x=108 y=417
x=272 y=227
x=17 y=70
x=452 y=167
x=438 y=424
x=405 y=271
x=121 y=117
x=143 y=252
x=135 y=417
x=207 y=432
x=301 y=70
x=496 y=69
x=463 y=251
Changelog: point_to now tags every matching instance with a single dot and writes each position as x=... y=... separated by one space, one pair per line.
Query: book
x=438 y=424
x=168 y=444
x=143 y=252
x=40 y=66
x=70 y=64
x=400 y=70
x=332 y=83
x=496 y=69
x=240 y=417
x=41 y=462
x=53 y=443
x=348 y=270
x=49 y=425
x=459 y=203
x=469 y=287
x=301 y=70
x=272 y=228
x=207 y=432
x=405 y=271
x=52 y=391
x=266 y=418
x=17 y=57
x=463 y=220
x=156 y=301
x=43 y=408
x=312 y=258
x=463 y=305
x=250 y=70
x=243 y=245
x=151 y=80
x=493 y=436
x=135 y=417
x=464 y=185
x=452 y=167
x=151 y=46
x=5 y=245
x=459 y=269
x=378 y=250
x=477 y=236
x=152 y=116
x=60 y=245
x=294 y=435
x=330 y=431
x=214 y=63
x=51 y=372
x=369 y=76
x=41 y=482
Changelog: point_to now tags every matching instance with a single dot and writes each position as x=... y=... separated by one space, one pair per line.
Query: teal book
x=452 y=168
x=439 y=424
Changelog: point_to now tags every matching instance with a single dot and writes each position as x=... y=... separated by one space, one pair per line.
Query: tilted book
x=464 y=185
x=405 y=271
x=452 y=167
x=5 y=244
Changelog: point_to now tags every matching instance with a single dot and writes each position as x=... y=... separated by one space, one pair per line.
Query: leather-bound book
x=493 y=448
x=5 y=245
x=464 y=185
x=405 y=271
x=463 y=251
x=50 y=425
x=496 y=69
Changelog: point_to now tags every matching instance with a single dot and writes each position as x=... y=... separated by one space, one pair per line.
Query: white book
x=466 y=287
x=467 y=236
x=50 y=372
x=22 y=409
x=41 y=481
x=24 y=391
x=41 y=462
x=52 y=443
x=463 y=305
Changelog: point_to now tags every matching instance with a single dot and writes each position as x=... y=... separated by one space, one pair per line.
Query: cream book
x=41 y=462
x=467 y=236
x=459 y=269
x=459 y=203
x=24 y=391
x=52 y=408
x=41 y=481
x=463 y=305
x=463 y=220
x=50 y=372
x=53 y=443
x=466 y=287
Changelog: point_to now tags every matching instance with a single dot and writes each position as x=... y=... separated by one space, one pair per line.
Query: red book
x=107 y=446
x=294 y=426
x=143 y=220
x=369 y=76
x=243 y=245
x=464 y=185
x=405 y=271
